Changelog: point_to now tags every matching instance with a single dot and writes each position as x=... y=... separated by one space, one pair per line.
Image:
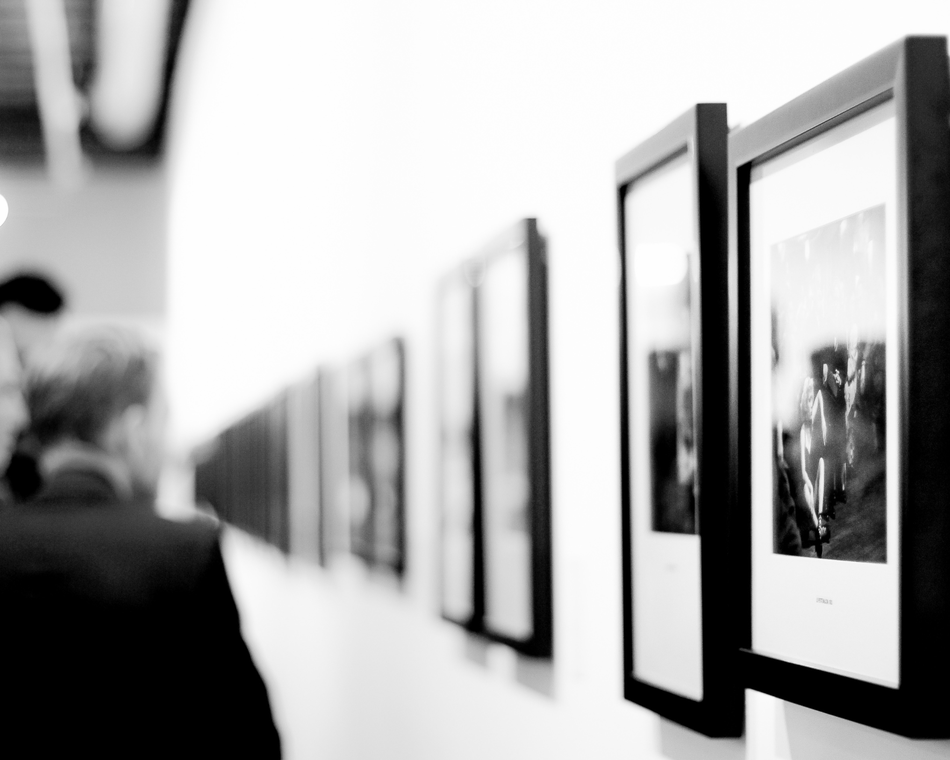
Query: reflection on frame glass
x=661 y=243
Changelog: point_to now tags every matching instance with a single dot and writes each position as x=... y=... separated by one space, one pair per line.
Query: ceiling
x=86 y=79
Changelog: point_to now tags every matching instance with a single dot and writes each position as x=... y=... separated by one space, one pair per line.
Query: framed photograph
x=513 y=434
x=258 y=494
x=303 y=470
x=359 y=432
x=278 y=492
x=248 y=474
x=332 y=452
x=462 y=586
x=243 y=473
x=376 y=488
x=679 y=635
x=387 y=458
x=840 y=232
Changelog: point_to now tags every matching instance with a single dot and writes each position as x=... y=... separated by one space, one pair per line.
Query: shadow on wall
x=678 y=743
x=532 y=673
x=815 y=736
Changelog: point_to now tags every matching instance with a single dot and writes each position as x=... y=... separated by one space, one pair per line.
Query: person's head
x=100 y=387
x=32 y=305
x=13 y=416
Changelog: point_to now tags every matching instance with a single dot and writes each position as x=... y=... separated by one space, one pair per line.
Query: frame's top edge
x=521 y=232
x=871 y=77
x=660 y=146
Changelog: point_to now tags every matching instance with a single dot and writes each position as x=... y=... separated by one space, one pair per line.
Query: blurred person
x=13 y=414
x=120 y=630
x=33 y=306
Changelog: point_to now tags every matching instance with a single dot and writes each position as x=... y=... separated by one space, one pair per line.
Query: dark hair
x=34 y=292
x=84 y=380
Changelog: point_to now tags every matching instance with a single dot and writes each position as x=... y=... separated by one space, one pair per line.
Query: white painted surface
x=330 y=162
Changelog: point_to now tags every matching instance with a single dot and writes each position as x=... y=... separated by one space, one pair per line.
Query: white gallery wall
x=328 y=163
x=103 y=240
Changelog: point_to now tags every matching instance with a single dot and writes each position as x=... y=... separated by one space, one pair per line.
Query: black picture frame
x=278 y=475
x=359 y=430
x=303 y=471
x=332 y=453
x=377 y=458
x=699 y=135
x=460 y=546
x=243 y=473
x=912 y=74
x=522 y=240
x=387 y=456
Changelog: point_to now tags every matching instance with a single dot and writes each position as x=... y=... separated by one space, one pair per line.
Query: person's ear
x=135 y=419
x=125 y=433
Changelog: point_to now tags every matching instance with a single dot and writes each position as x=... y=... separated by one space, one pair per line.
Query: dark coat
x=119 y=635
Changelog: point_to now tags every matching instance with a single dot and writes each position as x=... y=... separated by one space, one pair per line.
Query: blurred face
x=13 y=414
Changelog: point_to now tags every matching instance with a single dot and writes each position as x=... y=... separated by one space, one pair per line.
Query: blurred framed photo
x=462 y=572
x=513 y=439
x=277 y=473
x=359 y=483
x=332 y=454
x=679 y=635
x=387 y=458
x=376 y=489
x=303 y=471
x=838 y=202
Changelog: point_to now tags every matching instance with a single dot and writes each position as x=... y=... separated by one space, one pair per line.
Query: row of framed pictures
x=243 y=473
x=321 y=467
x=785 y=359
x=494 y=443
x=784 y=397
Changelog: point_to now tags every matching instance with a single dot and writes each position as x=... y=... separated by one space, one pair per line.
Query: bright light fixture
x=4 y=209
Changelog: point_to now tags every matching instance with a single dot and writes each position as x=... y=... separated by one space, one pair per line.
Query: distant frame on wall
x=387 y=363
x=376 y=396
x=305 y=509
x=332 y=465
x=679 y=621
x=461 y=587
x=841 y=352
x=277 y=472
x=514 y=441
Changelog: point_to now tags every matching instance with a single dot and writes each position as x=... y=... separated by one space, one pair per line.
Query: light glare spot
x=660 y=265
